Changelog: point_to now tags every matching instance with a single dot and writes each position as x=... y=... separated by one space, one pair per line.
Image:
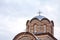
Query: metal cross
x=39 y=12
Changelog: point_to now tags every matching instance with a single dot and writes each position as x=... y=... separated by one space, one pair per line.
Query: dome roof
x=39 y=17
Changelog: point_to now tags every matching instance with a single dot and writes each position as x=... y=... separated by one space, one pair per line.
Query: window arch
x=44 y=28
x=35 y=29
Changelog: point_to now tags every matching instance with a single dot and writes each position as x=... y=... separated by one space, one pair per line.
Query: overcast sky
x=15 y=13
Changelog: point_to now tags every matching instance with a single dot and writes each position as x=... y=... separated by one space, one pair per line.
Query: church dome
x=39 y=17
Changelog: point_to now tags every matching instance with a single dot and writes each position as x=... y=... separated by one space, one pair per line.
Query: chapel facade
x=38 y=28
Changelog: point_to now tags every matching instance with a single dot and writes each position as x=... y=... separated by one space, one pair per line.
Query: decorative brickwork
x=24 y=36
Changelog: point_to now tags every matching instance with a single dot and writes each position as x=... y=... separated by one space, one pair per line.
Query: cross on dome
x=39 y=13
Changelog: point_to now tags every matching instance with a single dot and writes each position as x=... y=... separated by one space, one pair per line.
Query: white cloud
x=57 y=32
x=11 y=25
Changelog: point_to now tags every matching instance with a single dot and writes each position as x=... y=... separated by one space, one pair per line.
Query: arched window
x=35 y=29
x=44 y=28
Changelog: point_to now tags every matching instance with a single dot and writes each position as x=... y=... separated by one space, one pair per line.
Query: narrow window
x=44 y=28
x=35 y=26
